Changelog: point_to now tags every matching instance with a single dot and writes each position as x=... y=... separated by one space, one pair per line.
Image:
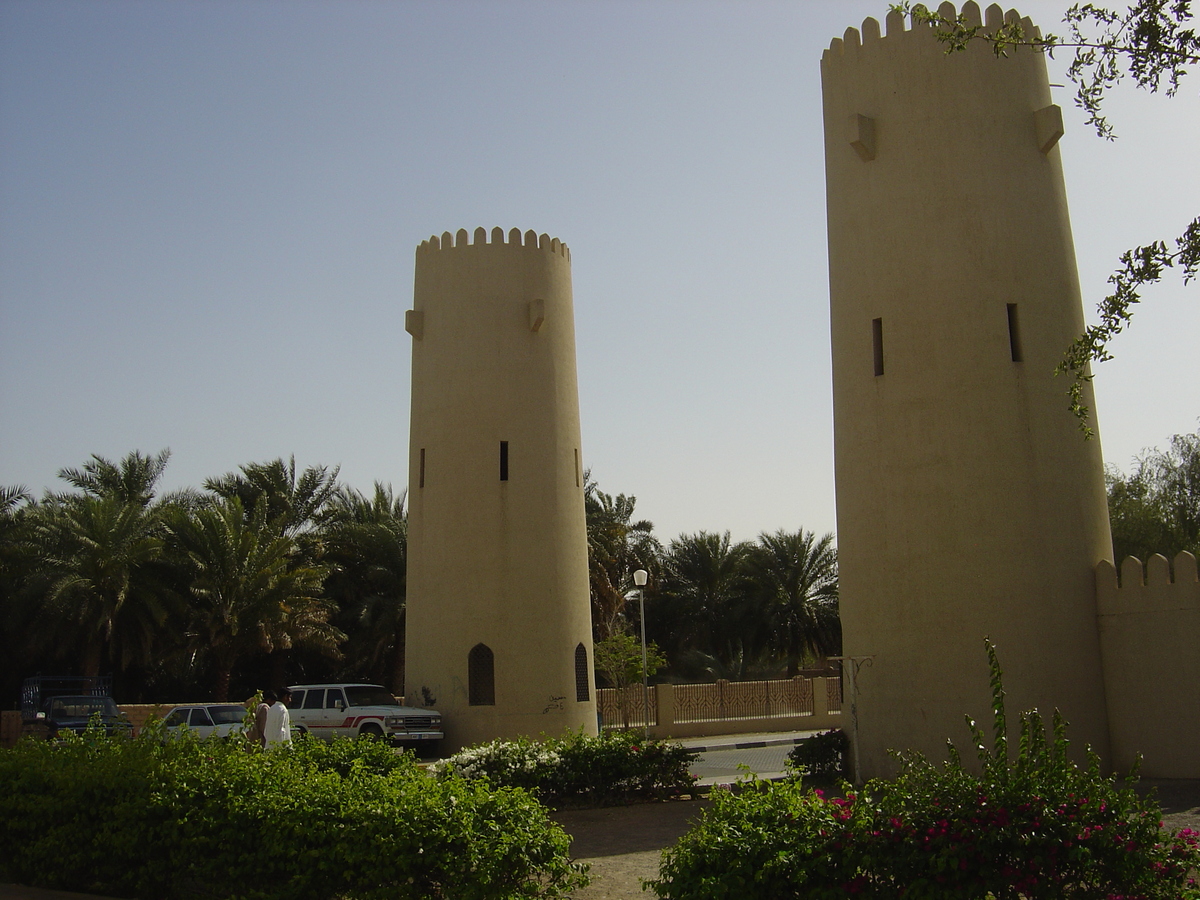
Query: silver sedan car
x=206 y=720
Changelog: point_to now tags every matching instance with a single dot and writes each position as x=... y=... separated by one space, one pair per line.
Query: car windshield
x=83 y=707
x=226 y=715
x=369 y=695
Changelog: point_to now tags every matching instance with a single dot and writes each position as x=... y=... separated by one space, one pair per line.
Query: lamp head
x=639 y=577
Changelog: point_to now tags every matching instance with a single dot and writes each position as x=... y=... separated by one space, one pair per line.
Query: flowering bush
x=519 y=763
x=349 y=820
x=1033 y=826
x=614 y=767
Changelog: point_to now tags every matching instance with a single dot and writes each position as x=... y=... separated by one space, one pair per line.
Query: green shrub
x=1032 y=826
x=821 y=756
x=149 y=818
x=614 y=767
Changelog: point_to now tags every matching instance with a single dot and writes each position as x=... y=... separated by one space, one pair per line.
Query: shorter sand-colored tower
x=968 y=504
x=498 y=631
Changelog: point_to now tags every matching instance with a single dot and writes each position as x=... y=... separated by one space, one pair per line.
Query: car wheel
x=371 y=730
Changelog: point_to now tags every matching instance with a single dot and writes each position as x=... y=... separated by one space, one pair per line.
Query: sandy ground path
x=624 y=844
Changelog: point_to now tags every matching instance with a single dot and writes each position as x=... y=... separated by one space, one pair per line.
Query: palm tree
x=366 y=545
x=249 y=592
x=99 y=571
x=17 y=562
x=617 y=546
x=293 y=504
x=794 y=583
x=132 y=480
x=98 y=561
x=13 y=541
x=703 y=601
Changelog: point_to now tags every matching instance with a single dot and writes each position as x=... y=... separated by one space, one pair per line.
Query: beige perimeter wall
x=1150 y=635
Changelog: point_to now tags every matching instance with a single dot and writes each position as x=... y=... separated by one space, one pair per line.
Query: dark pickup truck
x=54 y=704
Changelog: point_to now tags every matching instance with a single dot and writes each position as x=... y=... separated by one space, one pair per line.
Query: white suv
x=361 y=710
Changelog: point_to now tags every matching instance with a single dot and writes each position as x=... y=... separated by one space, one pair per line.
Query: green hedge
x=1033 y=825
x=580 y=770
x=147 y=818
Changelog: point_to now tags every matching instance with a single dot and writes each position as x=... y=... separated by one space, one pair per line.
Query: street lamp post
x=639 y=579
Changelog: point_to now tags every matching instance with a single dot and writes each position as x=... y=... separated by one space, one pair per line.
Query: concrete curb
x=706 y=786
x=708 y=745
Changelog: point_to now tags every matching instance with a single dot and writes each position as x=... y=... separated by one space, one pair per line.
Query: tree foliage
x=750 y=609
x=97 y=570
x=619 y=659
x=249 y=587
x=365 y=544
x=618 y=545
x=292 y=504
x=179 y=594
x=1156 y=508
x=794 y=575
x=1153 y=43
x=274 y=574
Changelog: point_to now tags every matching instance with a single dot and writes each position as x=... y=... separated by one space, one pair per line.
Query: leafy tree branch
x=1153 y=43
x=1139 y=266
x=1148 y=40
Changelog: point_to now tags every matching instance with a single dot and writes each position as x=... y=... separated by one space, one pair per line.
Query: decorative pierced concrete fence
x=724 y=707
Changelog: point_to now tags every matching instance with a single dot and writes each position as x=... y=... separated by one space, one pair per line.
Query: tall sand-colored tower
x=968 y=503
x=499 y=620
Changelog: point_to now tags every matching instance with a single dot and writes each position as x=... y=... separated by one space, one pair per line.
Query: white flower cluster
x=502 y=761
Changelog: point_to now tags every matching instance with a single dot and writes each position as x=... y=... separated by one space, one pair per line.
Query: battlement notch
x=1147 y=589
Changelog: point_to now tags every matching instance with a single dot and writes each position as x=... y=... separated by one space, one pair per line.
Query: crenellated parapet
x=867 y=71
x=870 y=39
x=462 y=240
x=1147 y=589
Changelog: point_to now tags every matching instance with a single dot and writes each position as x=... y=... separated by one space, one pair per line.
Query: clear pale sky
x=209 y=210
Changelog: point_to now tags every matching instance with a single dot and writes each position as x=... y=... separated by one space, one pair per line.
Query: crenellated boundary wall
x=1150 y=643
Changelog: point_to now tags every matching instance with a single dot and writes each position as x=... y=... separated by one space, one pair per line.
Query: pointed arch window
x=582 y=692
x=481 y=676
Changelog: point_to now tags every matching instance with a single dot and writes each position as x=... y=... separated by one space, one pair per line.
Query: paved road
x=722 y=758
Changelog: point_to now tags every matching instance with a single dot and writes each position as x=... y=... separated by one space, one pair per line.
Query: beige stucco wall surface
x=967 y=502
x=1150 y=635
x=502 y=563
